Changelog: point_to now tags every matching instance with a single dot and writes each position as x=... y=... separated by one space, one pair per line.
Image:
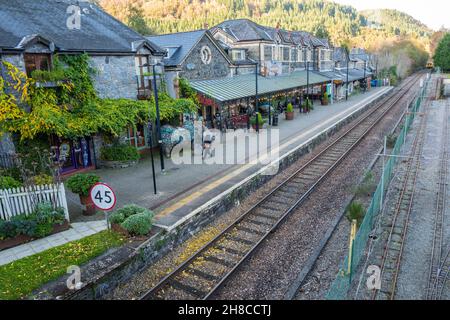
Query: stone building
x=277 y=51
x=33 y=32
x=193 y=55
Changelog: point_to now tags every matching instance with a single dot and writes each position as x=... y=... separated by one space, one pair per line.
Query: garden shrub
x=7 y=182
x=123 y=213
x=7 y=230
x=138 y=224
x=82 y=183
x=42 y=179
x=38 y=224
x=119 y=152
x=12 y=172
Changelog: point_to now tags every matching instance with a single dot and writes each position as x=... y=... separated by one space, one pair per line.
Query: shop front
x=71 y=154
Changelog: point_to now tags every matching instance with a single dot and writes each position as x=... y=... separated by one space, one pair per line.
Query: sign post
x=103 y=198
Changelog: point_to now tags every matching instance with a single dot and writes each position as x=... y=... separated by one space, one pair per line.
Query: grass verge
x=19 y=278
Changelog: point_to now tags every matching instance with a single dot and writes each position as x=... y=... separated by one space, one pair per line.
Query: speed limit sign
x=103 y=196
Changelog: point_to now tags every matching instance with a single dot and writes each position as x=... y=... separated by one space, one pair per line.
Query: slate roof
x=247 y=30
x=184 y=41
x=243 y=30
x=243 y=86
x=99 y=31
x=353 y=74
x=339 y=55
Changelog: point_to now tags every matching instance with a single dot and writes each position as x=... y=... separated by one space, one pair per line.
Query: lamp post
x=256 y=97
x=151 y=154
x=158 y=122
x=307 y=84
x=365 y=80
x=348 y=61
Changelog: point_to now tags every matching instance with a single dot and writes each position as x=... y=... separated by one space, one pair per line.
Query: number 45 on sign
x=103 y=197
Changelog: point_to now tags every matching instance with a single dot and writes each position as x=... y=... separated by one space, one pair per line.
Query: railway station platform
x=183 y=190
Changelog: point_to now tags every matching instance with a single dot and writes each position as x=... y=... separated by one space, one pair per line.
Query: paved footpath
x=184 y=188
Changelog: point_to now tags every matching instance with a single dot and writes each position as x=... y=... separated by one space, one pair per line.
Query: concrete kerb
x=103 y=274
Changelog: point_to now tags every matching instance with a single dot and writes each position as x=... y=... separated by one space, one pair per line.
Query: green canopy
x=243 y=86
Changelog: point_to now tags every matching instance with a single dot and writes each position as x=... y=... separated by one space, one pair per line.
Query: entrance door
x=70 y=154
x=208 y=116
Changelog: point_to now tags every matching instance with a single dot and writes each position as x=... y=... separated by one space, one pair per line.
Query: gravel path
x=273 y=271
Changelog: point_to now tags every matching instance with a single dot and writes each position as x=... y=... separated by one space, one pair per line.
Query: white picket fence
x=22 y=200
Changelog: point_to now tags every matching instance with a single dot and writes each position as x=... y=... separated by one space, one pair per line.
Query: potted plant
x=81 y=184
x=307 y=105
x=325 y=99
x=253 y=120
x=289 y=112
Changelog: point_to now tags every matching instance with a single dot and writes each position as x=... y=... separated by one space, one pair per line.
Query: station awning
x=353 y=74
x=243 y=86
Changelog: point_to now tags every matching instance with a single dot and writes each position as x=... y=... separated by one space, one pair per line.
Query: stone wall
x=193 y=67
x=15 y=59
x=6 y=144
x=115 y=77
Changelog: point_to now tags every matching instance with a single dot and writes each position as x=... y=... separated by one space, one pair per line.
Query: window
x=268 y=53
x=300 y=55
x=286 y=54
x=322 y=55
x=294 y=55
x=238 y=55
x=170 y=51
x=144 y=82
x=37 y=62
x=137 y=137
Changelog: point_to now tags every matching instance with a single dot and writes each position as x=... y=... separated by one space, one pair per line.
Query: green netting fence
x=341 y=285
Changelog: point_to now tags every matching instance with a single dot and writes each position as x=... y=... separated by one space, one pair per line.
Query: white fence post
x=22 y=200
x=62 y=195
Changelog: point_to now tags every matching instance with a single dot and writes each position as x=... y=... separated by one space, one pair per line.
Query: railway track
x=200 y=276
x=440 y=264
x=393 y=249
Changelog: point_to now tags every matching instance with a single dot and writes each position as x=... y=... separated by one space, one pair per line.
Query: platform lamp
x=348 y=61
x=158 y=121
x=256 y=97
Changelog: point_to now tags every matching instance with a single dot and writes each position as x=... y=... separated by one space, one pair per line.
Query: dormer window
x=238 y=55
x=37 y=61
x=171 y=51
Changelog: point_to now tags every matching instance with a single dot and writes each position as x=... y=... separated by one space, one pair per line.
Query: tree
x=136 y=20
x=442 y=55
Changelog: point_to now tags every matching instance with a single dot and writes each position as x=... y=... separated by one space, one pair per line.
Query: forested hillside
x=396 y=23
x=317 y=16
